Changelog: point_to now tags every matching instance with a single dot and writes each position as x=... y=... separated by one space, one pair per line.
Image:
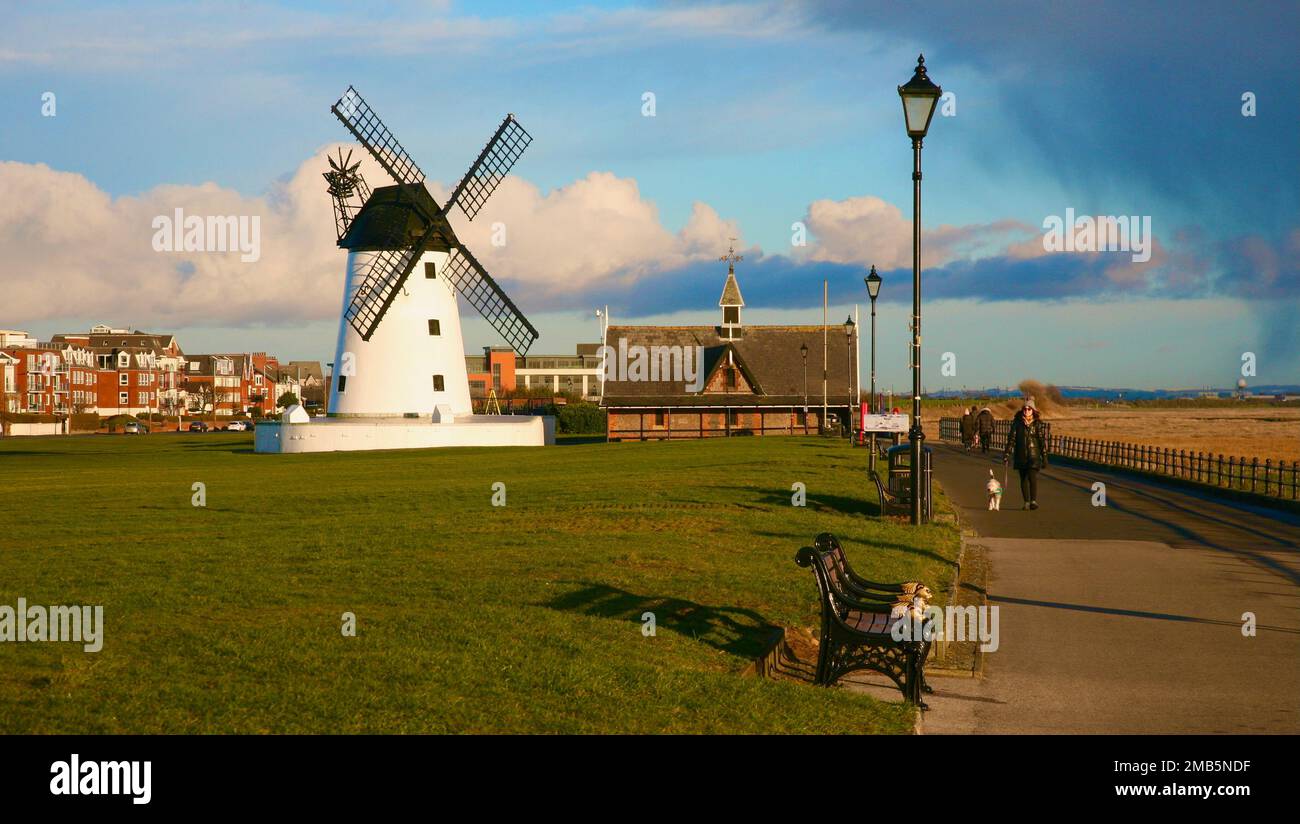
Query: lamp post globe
x=873 y=284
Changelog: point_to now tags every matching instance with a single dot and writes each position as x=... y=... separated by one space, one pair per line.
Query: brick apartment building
x=238 y=383
x=135 y=373
x=118 y=371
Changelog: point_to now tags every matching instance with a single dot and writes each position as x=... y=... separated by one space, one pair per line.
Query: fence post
x=1268 y=470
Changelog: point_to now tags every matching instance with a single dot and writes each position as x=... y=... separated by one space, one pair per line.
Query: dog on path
x=994 y=490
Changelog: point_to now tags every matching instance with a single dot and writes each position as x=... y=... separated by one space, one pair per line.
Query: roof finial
x=731 y=257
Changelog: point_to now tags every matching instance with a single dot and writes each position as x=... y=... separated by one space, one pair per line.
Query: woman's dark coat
x=1026 y=445
x=967 y=428
x=984 y=423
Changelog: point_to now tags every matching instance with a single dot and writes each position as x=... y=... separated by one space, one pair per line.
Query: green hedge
x=580 y=419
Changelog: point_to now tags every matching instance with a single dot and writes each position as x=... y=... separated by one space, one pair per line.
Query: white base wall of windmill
x=393 y=373
x=390 y=399
x=361 y=434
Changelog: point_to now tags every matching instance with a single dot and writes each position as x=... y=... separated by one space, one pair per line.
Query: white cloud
x=868 y=230
x=71 y=250
x=596 y=229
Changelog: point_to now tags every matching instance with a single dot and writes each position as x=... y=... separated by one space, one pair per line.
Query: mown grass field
x=470 y=617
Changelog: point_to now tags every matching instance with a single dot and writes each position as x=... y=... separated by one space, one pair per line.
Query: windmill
x=400 y=351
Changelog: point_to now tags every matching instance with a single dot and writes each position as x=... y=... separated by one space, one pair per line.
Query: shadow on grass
x=843 y=504
x=733 y=630
x=240 y=446
x=576 y=440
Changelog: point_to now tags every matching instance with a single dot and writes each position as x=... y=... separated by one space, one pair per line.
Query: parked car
x=238 y=426
x=135 y=428
x=199 y=426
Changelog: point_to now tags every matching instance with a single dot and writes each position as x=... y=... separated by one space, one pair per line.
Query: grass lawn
x=470 y=617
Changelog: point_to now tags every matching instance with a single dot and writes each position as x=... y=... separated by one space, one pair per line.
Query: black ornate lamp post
x=848 y=401
x=920 y=97
x=803 y=350
x=873 y=291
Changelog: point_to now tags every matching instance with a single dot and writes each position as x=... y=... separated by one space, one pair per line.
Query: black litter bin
x=900 y=476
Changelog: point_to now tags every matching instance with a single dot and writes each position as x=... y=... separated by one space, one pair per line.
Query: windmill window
x=343 y=383
x=434 y=327
x=731 y=314
x=430 y=271
x=438 y=385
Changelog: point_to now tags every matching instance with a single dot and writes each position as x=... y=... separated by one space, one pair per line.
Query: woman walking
x=968 y=427
x=984 y=427
x=1027 y=449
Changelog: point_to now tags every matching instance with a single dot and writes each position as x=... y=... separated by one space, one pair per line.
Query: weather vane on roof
x=731 y=257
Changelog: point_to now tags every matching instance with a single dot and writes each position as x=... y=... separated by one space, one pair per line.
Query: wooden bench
x=827 y=543
x=890 y=504
x=856 y=629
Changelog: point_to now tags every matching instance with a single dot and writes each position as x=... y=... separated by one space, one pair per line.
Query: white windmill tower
x=399 y=364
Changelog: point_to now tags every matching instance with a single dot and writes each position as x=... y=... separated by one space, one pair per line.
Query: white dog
x=995 y=493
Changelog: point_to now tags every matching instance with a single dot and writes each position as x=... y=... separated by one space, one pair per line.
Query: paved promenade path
x=1128 y=617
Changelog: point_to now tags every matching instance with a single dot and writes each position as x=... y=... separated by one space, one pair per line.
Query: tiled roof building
x=709 y=381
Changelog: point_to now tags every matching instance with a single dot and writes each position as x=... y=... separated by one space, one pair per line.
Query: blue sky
x=766 y=114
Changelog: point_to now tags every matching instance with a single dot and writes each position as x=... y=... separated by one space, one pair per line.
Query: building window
x=731 y=378
x=496 y=376
x=802 y=418
x=659 y=418
x=123 y=360
x=343 y=383
x=123 y=379
x=437 y=383
x=430 y=271
x=733 y=417
x=122 y=398
x=731 y=314
x=434 y=327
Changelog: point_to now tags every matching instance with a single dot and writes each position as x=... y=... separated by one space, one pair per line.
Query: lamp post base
x=916 y=436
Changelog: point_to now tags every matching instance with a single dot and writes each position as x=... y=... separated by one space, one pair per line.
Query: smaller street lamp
x=803 y=350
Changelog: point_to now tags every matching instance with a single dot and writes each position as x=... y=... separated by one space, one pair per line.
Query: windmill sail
x=356 y=114
x=477 y=286
x=491 y=167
